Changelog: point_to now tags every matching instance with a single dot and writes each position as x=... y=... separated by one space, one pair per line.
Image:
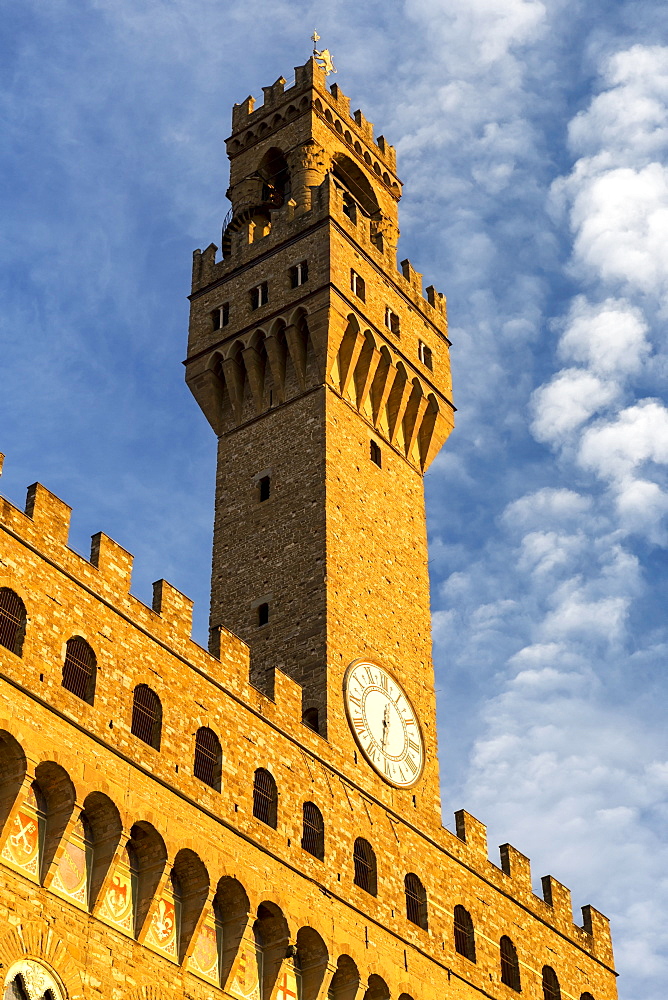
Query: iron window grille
x=12 y=620
x=510 y=967
x=416 y=901
x=146 y=716
x=208 y=758
x=551 y=988
x=313 y=832
x=464 y=935
x=265 y=798
x=364 y=859
x=79 y=669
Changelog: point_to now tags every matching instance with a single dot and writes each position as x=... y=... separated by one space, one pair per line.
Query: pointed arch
x=365 y=369
x=345 y=981
x=106 y=828
x=231 y=908
x=377 y=988
x=55 y=785
x=13 y=766
x=354 y=180
x=274 y=171
x=193 y=887
x=146 y=858
x=272 y=937
x=397 y=401
x=348 y=353
x=311 y=960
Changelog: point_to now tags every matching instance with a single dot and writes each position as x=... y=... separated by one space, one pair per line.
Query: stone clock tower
x=261 y=820
x=324 y=371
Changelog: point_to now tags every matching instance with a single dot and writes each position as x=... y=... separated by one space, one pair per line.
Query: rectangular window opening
x=349 y=207
x=265 y=488
x=425 y=355
x=299 y=274
x=220 y=316
x=357 y=285
x=259 y=295
x=375 y=454
x=262 y=614
x=392 y=321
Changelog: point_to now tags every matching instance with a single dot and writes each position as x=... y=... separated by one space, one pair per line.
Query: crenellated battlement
x=44 y=526
x=310 y=77
x=554 y=906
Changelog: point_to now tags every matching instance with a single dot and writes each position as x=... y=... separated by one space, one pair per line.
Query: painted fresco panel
x=22 y=847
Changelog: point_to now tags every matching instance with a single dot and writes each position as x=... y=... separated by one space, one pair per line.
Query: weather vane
x=324 y=57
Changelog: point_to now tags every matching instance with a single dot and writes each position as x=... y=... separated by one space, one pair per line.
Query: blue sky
x=532 y=141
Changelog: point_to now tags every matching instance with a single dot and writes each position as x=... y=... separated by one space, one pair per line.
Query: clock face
x=384 y=723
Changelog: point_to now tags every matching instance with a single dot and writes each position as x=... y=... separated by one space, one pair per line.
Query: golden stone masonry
x=262 y=819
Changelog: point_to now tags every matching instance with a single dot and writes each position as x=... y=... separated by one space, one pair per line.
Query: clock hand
x=386 y=726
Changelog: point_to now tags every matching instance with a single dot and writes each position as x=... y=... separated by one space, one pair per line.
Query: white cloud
x=630 y=118
x=567 y=402
x=546 y=508
x=639 y=434
x=491 y=28
x=620 y=220
x=610 y=337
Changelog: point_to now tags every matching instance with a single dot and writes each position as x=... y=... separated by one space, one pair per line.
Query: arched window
x=416 y=901
x=146 y=716
x=265 y=797
x=208 y=757
x=510 y=967
x=586 y=996
x=366 y=875
x=313 y=831
x=44 y=984
x=12 y=620
x=464 y=935
x=79 y=669
x=551 y=989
